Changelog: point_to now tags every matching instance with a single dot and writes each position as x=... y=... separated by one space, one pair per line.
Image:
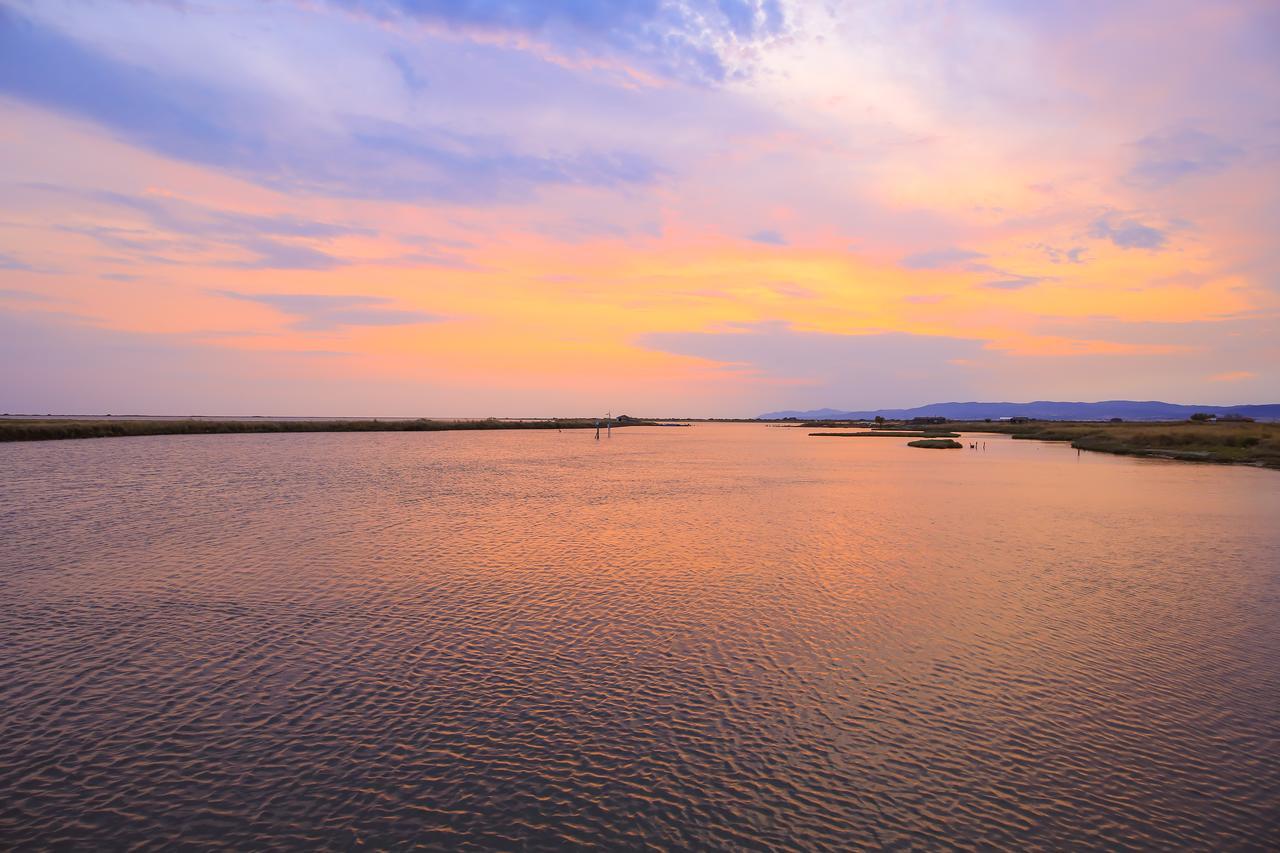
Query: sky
x=658 y=207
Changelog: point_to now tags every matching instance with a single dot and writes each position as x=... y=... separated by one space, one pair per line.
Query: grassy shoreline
x=29 y=429
x=1223 y=442
x=1239 y=443
x=1228 y=442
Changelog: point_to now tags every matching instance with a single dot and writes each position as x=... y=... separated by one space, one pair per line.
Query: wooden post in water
x=597 y=429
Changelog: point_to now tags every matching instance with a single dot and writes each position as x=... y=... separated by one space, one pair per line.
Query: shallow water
x=726 y=636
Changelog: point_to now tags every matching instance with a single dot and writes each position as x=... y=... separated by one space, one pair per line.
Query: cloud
x=477 y=103
x=426 y=259
x=1018 y=282
x=849 y=369
x=277 y=255
x=793 y=290
x=270 y=142
x=769 y=237
x=323 y=312
x=1059 y=255
x=130 y=240
x=696 y=41
x=9 y=262
x=1127 y=233
x=184 y=119
x=1172 y=155
x=939 y=259
x=466 y=168
x=184 y=217
x=272 y=241
x=1233 y=376
x=23 y=295
x=70 y=366
x=576 y=229
x=435 y=243
x=413 y=80
x=1234 y=339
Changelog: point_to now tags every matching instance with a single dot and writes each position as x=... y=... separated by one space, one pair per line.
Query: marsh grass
x=1232 y=442
x=43 y=430
x=937 y=443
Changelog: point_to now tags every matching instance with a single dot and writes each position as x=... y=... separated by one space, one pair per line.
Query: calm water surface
x=727 y=636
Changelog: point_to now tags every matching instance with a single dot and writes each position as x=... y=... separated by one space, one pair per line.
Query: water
x=727 y=636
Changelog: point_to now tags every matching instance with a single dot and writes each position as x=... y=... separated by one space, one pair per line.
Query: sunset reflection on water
x=717 y=636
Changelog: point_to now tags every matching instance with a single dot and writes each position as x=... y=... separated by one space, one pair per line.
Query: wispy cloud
x=9 y=262
x=413 y=79
x=323 y=312
x=23 y=295
x=699 y=41
x=768 y=237
x=1016 y=282
x=792 y=290
x=939 y=258
x=1172 y=155
x=266 y=140
x=1062 y=255
x=277 y=255
x=1233 y=376
x=852 y=368
x=178 y=226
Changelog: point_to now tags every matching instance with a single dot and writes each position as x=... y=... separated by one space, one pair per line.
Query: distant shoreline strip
x=51 y=430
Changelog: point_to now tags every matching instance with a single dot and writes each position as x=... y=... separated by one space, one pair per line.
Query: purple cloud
x=9 y=262
x=688 y=40
x=939 y=259
x=768 y=237
x=1128 y=233
x=322 y=312
x=1018 y=282
x=1170 y=156
x=263 y=140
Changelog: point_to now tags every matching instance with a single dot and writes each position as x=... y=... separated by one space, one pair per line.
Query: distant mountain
x=1130 y=410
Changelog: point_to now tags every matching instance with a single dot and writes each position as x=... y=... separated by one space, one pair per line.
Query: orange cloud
x=1233 y=376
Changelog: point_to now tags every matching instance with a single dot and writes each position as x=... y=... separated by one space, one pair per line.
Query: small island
x=889 y=433
x=938 y=443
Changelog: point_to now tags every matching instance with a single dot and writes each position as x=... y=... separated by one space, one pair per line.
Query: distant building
x=929 y=420
x=1019 y=420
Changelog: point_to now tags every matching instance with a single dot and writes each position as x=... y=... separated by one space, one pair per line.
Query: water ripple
x=721 y=637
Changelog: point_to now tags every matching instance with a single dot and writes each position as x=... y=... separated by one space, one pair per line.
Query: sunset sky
x=666 y=207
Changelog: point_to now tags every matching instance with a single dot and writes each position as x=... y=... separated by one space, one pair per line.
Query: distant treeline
x=42 y=430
